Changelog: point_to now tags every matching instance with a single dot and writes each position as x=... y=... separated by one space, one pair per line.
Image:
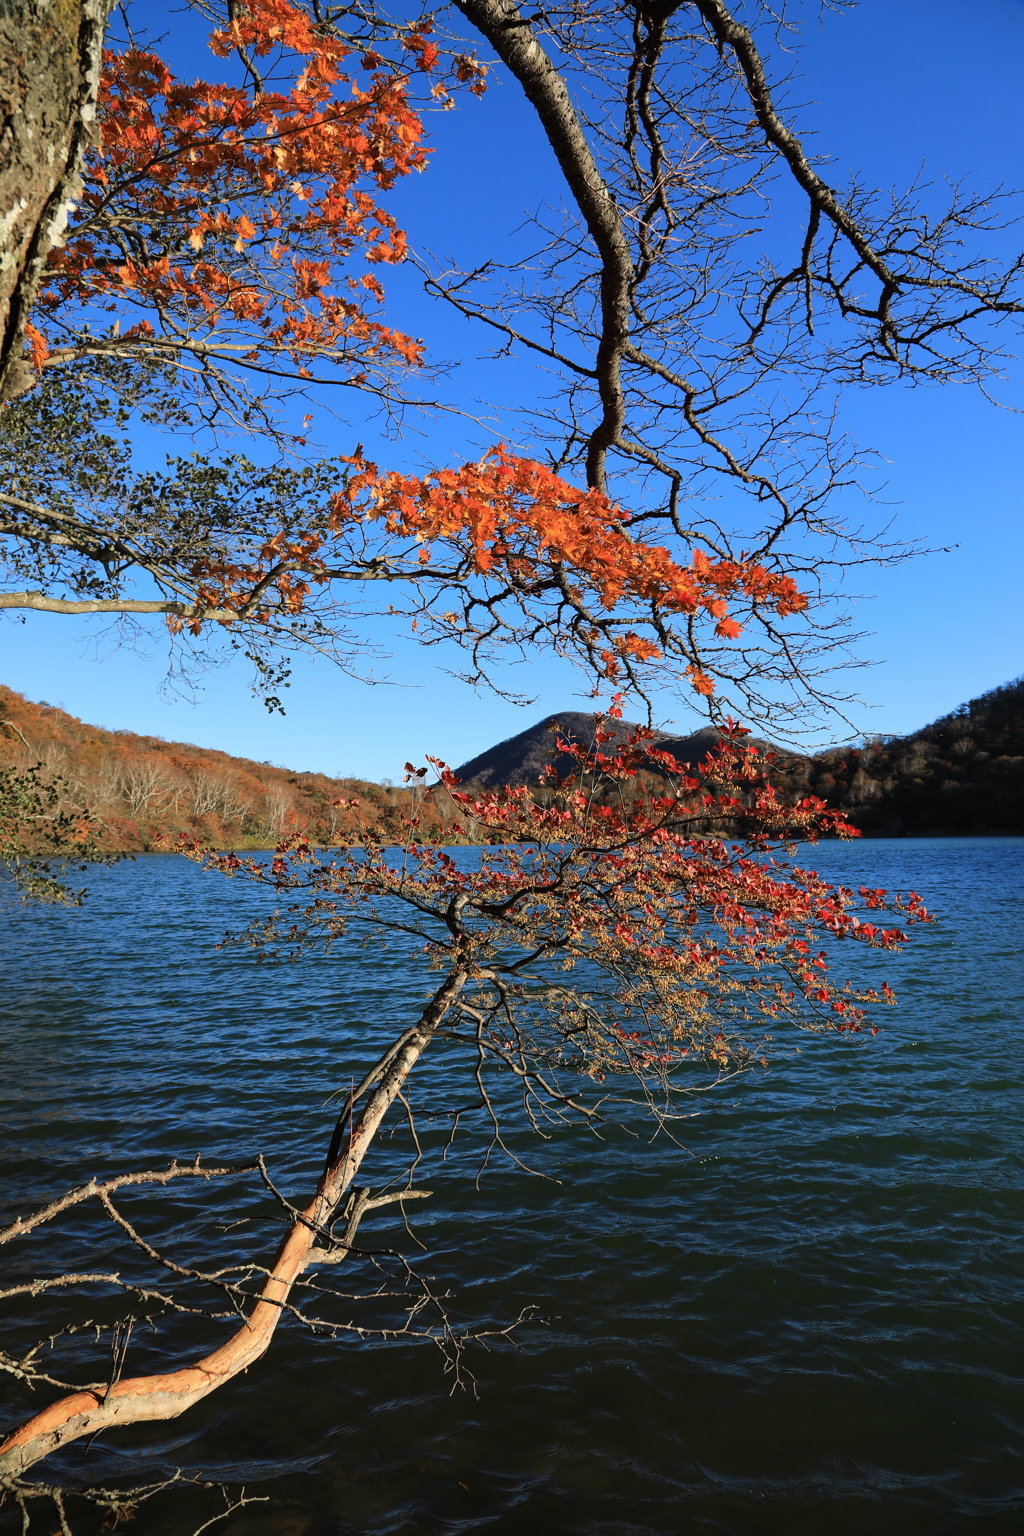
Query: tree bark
x=50 y=53
x=167 y=1395
x=511 y=36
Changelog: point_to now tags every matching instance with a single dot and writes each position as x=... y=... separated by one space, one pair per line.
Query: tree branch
x=166 y=1395
x=511 y=36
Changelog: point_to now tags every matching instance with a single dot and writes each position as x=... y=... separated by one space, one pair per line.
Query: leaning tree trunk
x=169 y=1394
x=49 y=74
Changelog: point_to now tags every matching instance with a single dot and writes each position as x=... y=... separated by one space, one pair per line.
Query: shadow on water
x=808 y=1318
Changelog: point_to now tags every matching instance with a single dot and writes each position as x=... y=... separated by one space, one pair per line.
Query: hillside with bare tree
x=142 y=790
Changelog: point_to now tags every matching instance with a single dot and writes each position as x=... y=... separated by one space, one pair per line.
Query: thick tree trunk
x=49 y=73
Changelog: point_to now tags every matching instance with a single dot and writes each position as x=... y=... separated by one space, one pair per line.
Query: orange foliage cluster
x=734 y=788
x=512 y=510
x=246 y=197
x=218 y=223
x=514 y=520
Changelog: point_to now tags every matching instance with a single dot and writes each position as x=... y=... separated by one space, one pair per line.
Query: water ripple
x=807 y=1319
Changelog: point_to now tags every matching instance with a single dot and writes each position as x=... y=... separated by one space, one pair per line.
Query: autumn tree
x=225 y=263
x=223 y=267
x=605 y=952
x=212 y=245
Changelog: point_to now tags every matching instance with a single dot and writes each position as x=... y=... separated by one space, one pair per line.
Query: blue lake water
x=806 y=1318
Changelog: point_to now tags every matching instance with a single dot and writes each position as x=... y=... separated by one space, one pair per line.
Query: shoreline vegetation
x=962 y=775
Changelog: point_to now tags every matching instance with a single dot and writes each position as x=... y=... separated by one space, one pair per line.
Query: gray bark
x=50 y=53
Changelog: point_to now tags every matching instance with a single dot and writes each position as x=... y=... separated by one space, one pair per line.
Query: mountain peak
x=522 y=758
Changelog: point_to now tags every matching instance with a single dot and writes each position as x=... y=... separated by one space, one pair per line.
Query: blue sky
x=891 y=89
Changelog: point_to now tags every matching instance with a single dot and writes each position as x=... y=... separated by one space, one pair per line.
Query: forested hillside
x=142 y=789
x=962 y=775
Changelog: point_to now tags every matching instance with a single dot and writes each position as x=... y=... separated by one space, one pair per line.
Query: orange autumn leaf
x=38 y=346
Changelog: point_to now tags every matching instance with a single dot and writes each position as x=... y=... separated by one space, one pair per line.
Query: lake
x=806 y=1317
